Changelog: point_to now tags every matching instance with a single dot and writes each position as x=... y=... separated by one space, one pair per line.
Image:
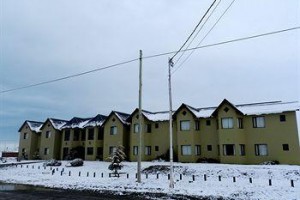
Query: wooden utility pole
x=139 y=164
x=170 y=126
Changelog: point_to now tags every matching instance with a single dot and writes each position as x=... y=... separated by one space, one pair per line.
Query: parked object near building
x=228 y=133
x=52 y=162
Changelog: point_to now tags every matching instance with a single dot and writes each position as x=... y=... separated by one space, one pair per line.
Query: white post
x=170 y=127
x=139 y=164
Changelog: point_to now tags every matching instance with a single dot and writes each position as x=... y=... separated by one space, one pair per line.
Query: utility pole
x=139 y=164
x=170 y=126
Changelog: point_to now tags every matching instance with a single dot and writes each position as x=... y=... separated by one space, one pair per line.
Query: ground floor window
x=242 y=150
x=90 y=151
x=46 y=151
x=100 y=152
x=112 y=150
x=285 y=147
x=228 y=150
x=148 y=150
x=186 y=150
x=261 y=150
x=135 y=150
x=209 y=147
x=156 y=148
x=197 y=150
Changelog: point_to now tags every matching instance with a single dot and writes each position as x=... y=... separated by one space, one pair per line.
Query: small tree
x=116 y=158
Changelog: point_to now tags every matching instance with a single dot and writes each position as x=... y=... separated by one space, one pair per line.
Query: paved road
x=23 y=192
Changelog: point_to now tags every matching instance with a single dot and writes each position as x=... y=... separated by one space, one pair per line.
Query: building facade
x=228 y=133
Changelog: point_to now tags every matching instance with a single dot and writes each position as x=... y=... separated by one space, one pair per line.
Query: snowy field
x=219 y=179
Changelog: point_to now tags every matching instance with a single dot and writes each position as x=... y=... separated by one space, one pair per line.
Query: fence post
x=69 y=173
x=168 y=176
x=180 y=176
x=135 y=175
x=292 y=183
x=38 y=167
x=219 y=178
x=79 y=173
x=94 y=174
x=270 y=182
x=157 y=176
x=53 y=172
x=32 y=166
x=56 y=169
x=234 y=179
x=87 y=174
x=127 y=176
x=205 y=178
x=250 y=180
x=193 y=177
x=27 y=166
x=102 y=175
x=61 y=173
x=146 y=176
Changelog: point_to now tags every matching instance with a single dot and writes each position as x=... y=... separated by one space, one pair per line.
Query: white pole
x=170 y=127
x=139 y=164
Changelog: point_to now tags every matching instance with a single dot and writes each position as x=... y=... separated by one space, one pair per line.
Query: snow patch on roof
x=34 y=126
x=96 y=121
x=156 y=116
x=122 y=117
x=57 y=123
x=76 y=122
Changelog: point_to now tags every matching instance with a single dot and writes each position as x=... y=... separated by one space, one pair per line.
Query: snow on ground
x=281 y=176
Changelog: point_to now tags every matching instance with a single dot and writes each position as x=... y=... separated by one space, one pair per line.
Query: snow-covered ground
x=281 y=176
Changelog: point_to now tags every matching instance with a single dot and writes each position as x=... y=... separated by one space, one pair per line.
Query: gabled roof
x=152 y=116
x=225 y=101
x=98 y=120
x=120 y=115
x=197 y=112
x=76 y=122
x=33 y=125
x=56 y=123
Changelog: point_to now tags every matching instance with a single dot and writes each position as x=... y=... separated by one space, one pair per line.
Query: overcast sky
x=45 y=40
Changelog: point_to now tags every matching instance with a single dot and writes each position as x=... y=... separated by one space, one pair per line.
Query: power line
x=204 y=37
x=70 y=76
x=197 y=32
x=194 y=29
x=152 y=56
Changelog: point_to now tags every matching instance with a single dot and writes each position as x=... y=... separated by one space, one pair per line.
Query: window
x=48 y=134
x=25 y=136
x=136 y=128
x=258 y=122
x=197 y=150
x=135 y=150
x=240 y=123
x=285 y=147
x=156 y=148
x=228 y=150
x=67 y=135
x=282 y=118
x=112 y=150
x=91 y=134
x=83 y=135
x=148 y=150
x=184 y=125
x=261 y=150
x=227 y=122
x=90 y=151
x=23 y=151
x=186 y=150
x=208 y=123
x=113 y=130
x=242 y=150
x=148 y=128
x=156 y=125
x=46 y=151
x=197 y=125
x=100 y=133
x=76 y=135
x=99 y=151
x=209 y=147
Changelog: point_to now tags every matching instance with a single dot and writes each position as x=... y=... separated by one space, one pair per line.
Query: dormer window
x=227 y=122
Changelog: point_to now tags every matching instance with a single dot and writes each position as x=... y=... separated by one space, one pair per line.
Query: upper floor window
x=136 y=128
x=240 y=123
x=135 y=150
x=25 y=136
x=185 y=125
x=91 y=134
x=83 y=135
x=258 y=122
x=261 y=149
x=48 y=134
x=186 y=150
x=282 y=118
x=208 y=122
x=67 y=135
x=197 y=125
x=227 y=122
x=148 y=128
x=76 y=135
x=113 y=130
x=100 y=133
x=156 y=125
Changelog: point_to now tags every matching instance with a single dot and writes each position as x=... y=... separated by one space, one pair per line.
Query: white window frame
x=185 y=125
x=261 y=149
x=147 y=150
x=112 y=150
x=197 y=150
x=225 y=153
x=227 y=123
x=136 y=128
x=242 y=149
x=113 y=130
x=186 y=150
x=135 y=150
x=25 y=137
x=259 y=122
x=48 y=134
x=46 y=151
